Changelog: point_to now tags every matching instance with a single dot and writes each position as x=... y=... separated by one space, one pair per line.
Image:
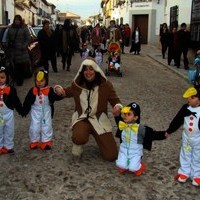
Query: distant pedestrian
x=188 y=117
x=173 y=47
x=184 y=38
x=69 y=41
x=164 y=32
x=40 y=102
x=136 y=41
x=96 y=36
x=127 y=35
x=48 y=46
x=58 y=35
x=113 y=33
x=18 y=39
x=8 y=101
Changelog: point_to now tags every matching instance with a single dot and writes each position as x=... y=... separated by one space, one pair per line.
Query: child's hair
x=5 y=70
x=44 y=74
x=84 y=45
x=198 y=53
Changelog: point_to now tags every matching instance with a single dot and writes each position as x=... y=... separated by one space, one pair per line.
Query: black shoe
x=47 y=147
x=10 y=151
x=186 y=67
x=68 y=68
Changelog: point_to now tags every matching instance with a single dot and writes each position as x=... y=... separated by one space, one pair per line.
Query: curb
x=177 y=71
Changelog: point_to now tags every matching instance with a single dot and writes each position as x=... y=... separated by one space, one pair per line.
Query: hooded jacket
x=91 y=104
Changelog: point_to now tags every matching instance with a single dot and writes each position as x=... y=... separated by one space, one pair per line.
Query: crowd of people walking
x=177 y=42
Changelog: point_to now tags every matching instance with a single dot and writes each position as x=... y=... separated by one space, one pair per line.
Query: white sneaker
x=77 y=150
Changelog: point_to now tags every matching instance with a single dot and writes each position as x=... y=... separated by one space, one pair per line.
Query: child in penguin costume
x=8 y=101
x=40 y=102
x=188 y=117
x=134 y=138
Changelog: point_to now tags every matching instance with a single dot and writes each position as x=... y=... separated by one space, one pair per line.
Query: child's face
x=129 y=117
x=2 y=78
x=194 y=101
x=41 y=83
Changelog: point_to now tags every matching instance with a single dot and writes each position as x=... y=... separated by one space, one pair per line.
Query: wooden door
x=142 y=22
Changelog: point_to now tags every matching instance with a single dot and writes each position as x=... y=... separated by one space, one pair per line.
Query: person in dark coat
x=173 y=47
x=136 y=41
x=69 y=40
x=164 y=31
x=18 y=39
x=184 y=38
x=47 y=42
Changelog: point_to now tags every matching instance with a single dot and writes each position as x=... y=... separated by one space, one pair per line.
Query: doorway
x=142 y=22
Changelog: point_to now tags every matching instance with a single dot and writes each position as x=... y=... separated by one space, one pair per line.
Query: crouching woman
x=92 y=92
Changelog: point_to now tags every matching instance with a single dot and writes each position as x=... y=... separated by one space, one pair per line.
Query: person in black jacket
x=47 y=42
x=8 y=101
x=164 y=31
x=184 y=41
x=136 y=41
x=40 y=102
x=134 y=138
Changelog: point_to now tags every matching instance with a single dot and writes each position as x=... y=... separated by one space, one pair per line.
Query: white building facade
x=150 y=14
x=7 y=11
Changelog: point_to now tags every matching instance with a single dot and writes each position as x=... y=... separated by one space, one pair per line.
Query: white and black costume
x=189 y=117
x=8 y=101
x=40 y=103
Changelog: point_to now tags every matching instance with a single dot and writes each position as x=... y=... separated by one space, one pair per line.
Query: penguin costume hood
x=132 y=107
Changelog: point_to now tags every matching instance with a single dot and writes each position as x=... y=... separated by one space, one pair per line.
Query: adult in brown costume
x=92 y=92
x=113 y=33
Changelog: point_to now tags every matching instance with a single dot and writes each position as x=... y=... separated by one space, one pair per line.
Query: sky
x=84 y=8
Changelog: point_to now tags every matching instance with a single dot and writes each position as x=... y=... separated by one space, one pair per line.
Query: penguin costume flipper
x=150 y=136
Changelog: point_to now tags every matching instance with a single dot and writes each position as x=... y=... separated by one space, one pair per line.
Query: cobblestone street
x=55 y=175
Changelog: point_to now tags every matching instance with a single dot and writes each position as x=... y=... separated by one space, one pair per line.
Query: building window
x=173 y=17
x=195 y=21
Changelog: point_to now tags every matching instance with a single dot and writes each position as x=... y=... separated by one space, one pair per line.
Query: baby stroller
x=114 y=59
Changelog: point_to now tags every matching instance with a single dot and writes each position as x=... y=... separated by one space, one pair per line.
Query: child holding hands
x=189 y=117
x=134 y=138
x=8 y=101
x=39 y=101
